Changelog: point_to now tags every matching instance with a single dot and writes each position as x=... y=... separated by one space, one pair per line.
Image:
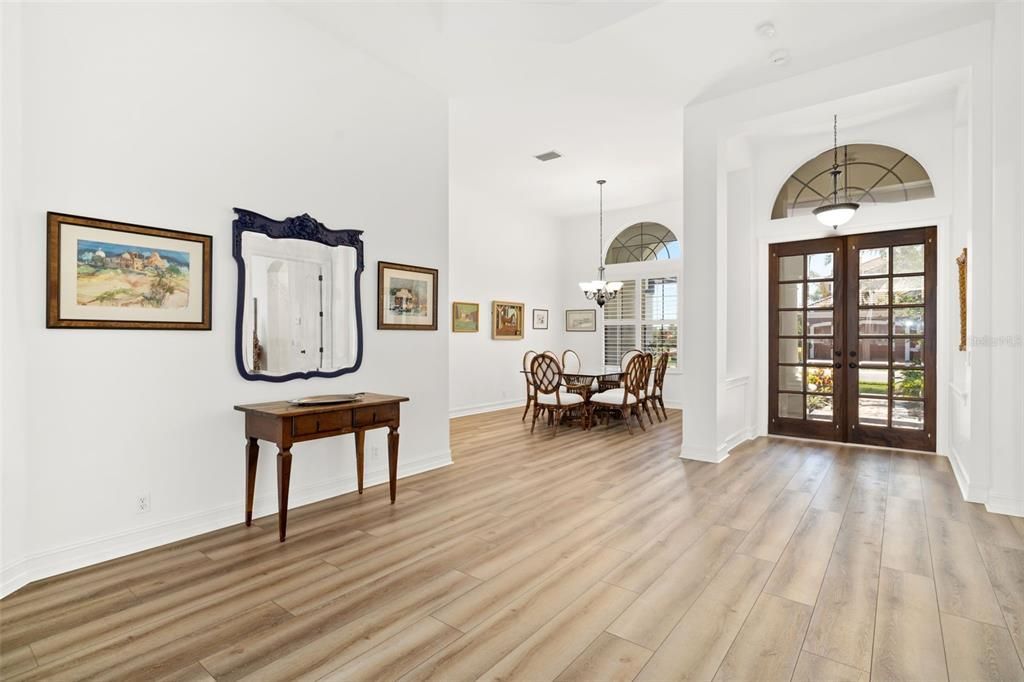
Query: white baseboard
x=86 y=553
x=1001 y=504
x=967 y=491
x=739 y=436
x=484 y=407
x=704 y=454
x=720 y=453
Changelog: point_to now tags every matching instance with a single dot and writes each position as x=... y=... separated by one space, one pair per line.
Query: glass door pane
x=805 y=326
x=891 y=321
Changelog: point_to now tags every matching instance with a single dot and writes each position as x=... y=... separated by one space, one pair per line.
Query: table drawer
x=366 y=416
x=318 y=423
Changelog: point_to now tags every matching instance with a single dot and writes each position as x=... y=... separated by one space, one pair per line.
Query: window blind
x=620 y=323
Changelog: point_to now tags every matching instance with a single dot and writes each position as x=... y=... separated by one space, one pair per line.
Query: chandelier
x=836 y=213
x=600 y=290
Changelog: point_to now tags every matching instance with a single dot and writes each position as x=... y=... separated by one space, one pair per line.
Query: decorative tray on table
x=333 y=399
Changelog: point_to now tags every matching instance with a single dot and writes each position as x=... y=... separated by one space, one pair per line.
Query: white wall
x=499 y=252
x=579 y=249
x=169 y=116
x=13 y=455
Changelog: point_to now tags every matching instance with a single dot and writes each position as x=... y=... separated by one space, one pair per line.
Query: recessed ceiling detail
x=874 y=174
x=548 y=156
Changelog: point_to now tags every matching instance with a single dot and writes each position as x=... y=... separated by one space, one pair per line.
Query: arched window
x=873 y=173
x=642 y=242
x=645 y=314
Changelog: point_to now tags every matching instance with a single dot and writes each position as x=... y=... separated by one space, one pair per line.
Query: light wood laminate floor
x=590 y=556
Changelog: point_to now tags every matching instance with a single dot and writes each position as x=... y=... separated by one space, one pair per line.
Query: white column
x=1006 y=488
x=703 y=315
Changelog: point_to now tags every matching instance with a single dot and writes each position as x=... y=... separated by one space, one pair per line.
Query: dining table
x=582 y=380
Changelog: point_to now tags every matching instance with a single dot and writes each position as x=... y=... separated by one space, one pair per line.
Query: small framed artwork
x=507 y=320
x=581 y=320
x=465 y=317
x=102 y=274
x=540 y=318
x=406 y=297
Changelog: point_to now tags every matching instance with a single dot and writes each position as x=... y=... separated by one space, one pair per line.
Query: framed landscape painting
x=102 y=274
x=465 y=317
x=540 y=318
x=507 y=320
x=581 y=320
x=406 y=297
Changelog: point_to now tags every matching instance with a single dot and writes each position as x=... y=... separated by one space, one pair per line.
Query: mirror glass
x=299 y=312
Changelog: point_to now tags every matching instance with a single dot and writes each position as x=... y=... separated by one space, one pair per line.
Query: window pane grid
x=654 y=329
x=891 y=292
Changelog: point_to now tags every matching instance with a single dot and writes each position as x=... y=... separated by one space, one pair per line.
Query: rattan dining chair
x=656 y=387
x=627 y=356
x=547 y=382
x=624 y=400
x=571 y=365
x=531 y=393
x=645 y=387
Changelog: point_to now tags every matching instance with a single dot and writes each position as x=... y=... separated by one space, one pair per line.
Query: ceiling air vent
x=548 y=156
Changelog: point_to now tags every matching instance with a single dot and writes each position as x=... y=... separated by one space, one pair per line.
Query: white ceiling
x=604 y=82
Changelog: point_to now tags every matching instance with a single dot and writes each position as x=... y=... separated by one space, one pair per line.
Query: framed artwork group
x=508 y=319
x=104 y=274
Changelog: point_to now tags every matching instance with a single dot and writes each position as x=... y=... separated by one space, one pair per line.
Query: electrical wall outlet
x=142 y=504
x=374 y=452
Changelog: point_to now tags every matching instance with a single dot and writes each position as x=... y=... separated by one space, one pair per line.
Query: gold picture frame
x=105 y=274
x=961 y=265
x=507 y=320
x=406 y=297
x=465 y=317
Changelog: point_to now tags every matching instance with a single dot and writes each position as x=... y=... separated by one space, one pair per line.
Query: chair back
x=547 y=375
x=637 y=371
x=627 y=357
x=571 y=362
x=528 y=357
x=660 y=367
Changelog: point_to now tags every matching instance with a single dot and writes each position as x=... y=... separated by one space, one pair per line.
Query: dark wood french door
x=852 y=339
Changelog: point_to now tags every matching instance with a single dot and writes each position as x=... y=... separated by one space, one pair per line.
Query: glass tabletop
x=591 y=372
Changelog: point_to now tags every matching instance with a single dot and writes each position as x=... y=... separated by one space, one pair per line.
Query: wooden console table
x=284 y=424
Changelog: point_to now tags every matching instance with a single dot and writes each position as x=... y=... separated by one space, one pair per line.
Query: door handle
x=853 y=365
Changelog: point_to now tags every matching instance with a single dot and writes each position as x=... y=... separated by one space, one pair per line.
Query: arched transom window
x=873 y=174
x=645 y=314
x=642 y=242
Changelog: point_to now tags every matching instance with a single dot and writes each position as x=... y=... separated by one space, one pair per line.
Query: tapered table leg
x=393 y=460
x=284 y=474
x=360 y=449
x=252 y=453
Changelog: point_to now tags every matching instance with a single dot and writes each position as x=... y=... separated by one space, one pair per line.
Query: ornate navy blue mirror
x=298 y=312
